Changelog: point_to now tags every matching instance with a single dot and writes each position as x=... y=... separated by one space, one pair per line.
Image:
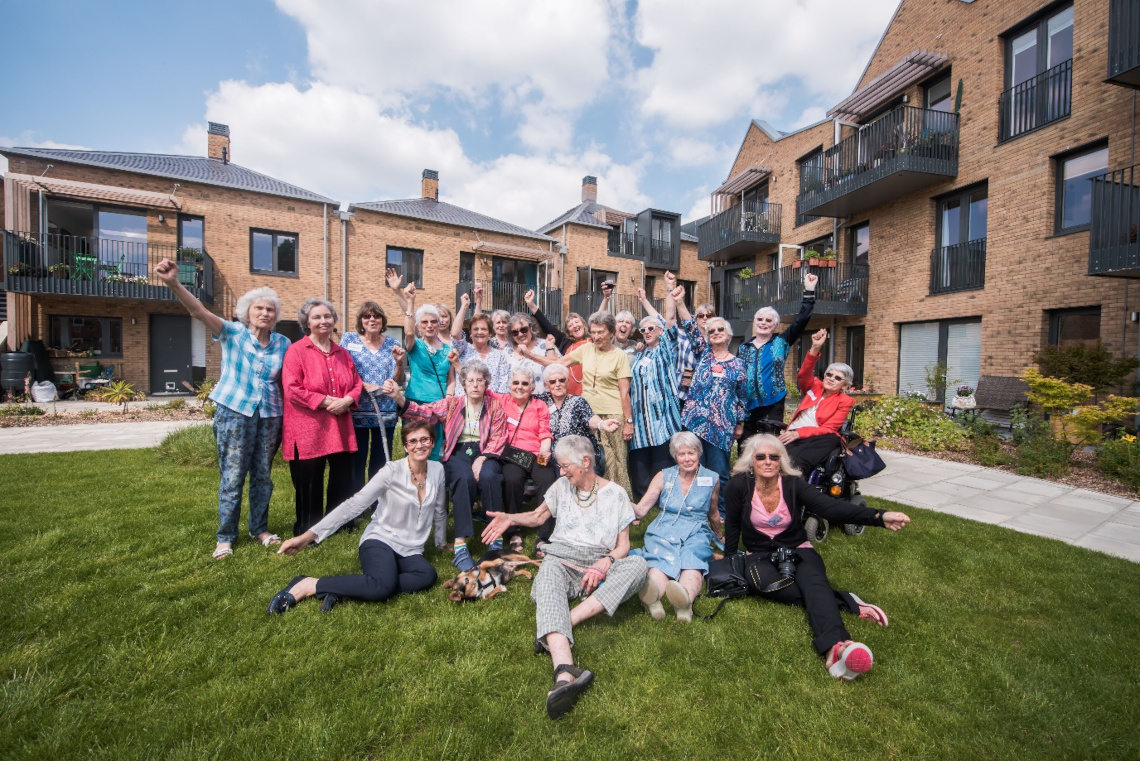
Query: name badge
x=811 y=394
x=353 y=348
x=512 y=421
x=704 y=480
x=718 y=375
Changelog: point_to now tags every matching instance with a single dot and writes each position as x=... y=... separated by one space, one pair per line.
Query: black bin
x=14 y=367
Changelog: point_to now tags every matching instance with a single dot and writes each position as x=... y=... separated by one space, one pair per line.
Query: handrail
x=1114 y=229
x=840 y=284
x=1039 y=100
x=960 y=267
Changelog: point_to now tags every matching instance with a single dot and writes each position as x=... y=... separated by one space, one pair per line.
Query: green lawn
x=123 y=639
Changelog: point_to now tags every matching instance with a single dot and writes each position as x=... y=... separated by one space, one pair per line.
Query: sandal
x=284 y=600
x=516 y=545
x=565 y=695
x=222 y=552
x=268 y=540
x=872 y=612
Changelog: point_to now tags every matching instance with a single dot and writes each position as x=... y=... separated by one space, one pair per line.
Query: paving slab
x=1057 y=527
x=1126 y=550
x=87 y=438
x=973 y=513
x=1089 y=519
x=1033 y=486
x=994 y=479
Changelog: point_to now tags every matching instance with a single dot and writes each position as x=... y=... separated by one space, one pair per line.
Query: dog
x=489 y=577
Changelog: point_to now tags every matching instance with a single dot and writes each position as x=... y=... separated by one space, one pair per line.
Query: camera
x=785 y=560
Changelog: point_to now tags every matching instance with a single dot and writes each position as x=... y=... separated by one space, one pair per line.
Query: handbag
x=513 y=454
x=726 y=579
x=599 y=456
x=863 y=461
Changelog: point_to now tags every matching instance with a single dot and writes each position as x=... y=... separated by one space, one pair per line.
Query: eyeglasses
x=770 y=457
x=703 y=315
x=520 y=331
x=555 y=380
x=717 y=330
x=835 y=376
x=423 y=442
x=371 y=316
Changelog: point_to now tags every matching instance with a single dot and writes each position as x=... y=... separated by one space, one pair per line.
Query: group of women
x=494 y=411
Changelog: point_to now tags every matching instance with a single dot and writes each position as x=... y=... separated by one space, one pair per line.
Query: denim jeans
x=716 y=459
x=246 y=446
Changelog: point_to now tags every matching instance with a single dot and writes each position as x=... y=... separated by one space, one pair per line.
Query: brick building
x=974 y=188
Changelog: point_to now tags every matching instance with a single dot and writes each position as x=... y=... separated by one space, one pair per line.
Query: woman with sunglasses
x=480 y=332
x=429 y=373
x=566 y=342
x=391 y=549
x=813 y=434
x=527 y=347
x=766 y=500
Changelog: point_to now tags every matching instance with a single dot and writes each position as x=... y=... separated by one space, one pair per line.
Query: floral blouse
x=717 y=396
x=496 y=361
x=571 y=419
x=374 y=367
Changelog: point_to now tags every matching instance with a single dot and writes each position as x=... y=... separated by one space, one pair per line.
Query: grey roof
x=439 y=211
x=582 y=214
x=201 y=169
x=690 y=228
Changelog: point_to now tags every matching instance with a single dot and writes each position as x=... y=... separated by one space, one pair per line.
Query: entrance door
x=170 y=353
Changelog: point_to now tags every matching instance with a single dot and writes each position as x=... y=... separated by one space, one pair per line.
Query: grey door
x=170 y=353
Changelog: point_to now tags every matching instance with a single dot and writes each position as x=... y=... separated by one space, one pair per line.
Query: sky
x=511 y=101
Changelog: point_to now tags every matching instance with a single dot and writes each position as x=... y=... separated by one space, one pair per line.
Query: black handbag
x=863 y=461
x=513 y=454
x=726 y=579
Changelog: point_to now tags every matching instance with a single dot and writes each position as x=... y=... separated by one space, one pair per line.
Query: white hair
x=720 y=321
x=427 y=309
x=552 y=370
x=767 y=312
x=571 y=450
x=841 y=367
x=744 y=463
x=520 y=372
x=303 y=312
x=503 y=313
x=648 y=320
x=684 y=440
x=474 y=366
x=625 y=314
x=264 y=293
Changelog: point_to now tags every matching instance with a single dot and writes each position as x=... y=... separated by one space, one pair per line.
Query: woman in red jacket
x=813 y=433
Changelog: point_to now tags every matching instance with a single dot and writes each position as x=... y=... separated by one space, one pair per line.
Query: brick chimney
x=219 y=147
x=430 y=185
x=590 y=188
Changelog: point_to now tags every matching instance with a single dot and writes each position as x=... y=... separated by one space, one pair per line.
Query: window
x=773 y=262
x=597 y=277
x=959 y=261
x=101 y=335
x=514 y=271
x=614 y=243
x=756 y=200
x=408 y=262
x=810 y=170
x=1074 y=191
x=1069 y=327
x=819 y=246
x=955 y=343
x=191 y=233
x=690 y=287
x=1039 y=72
x=938 y=96
x=122 y=241
x=650 y=286
x=824 y=353
x=861 y=245
x=273 y=252
x=466 y=268
x=291 y=329
x=856 y=344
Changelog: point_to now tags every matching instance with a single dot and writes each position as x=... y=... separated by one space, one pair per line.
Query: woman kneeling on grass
x=590 y=545
x=764 y=507
x=392 y=547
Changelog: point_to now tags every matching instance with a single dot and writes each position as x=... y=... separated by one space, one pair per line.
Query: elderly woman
x=653 y=396
x=247 y=424
x=764 y=356
x=480 y=347
x=377 y=358
x=813 y=433
x=529 y=353
x=321 y=388
x=590 y=545
x=475 y=432
x=678 y=544
x=766 y=500
x=501 y=321
x=623 y=324
x=391 y=550
x=429 y=372
x=686 y=359
x=574 y=336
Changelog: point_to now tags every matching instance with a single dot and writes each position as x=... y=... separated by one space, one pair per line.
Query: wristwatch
x=629 y=420
x=409 y=314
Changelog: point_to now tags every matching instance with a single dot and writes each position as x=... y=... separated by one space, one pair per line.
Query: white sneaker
x=650 y=597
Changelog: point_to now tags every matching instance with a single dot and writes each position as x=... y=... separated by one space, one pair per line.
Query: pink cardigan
x=308 y=376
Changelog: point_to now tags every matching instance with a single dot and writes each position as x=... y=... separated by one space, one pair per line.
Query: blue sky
x=512 y=101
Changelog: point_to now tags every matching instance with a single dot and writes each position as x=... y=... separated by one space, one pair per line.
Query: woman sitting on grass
x=392 y=548
x=765 y=503
x=590 y=545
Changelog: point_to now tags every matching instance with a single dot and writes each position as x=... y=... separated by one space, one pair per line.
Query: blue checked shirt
x=251 y=373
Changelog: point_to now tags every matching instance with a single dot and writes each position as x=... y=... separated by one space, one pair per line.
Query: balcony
x=70 y=265
x=509 y=296
x=1114 y=230
x=1124 y=42
x=961 y=267
x=902 y=152
x=1036 y=102
x=738 y=231
x=586 y=304
x=842 y=290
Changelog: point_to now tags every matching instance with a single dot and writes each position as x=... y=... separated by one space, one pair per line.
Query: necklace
x=419 y=479
x=591 y=497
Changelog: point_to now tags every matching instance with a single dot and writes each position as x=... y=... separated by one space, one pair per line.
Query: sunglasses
x=555 y=380
x=650 y=328
x=717 y=330
x=703 y=315
x=520 y=331
x=371 y=316
x=769 y=457
x=834 y=376
x=425 y=442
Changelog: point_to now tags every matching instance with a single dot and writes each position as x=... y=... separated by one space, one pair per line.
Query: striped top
x=451 y=412
x=653 y=393
x=250 y=381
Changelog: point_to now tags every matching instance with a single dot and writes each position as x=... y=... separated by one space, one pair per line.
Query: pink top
x=308 y=376
x=773 y=524
x=532 y=428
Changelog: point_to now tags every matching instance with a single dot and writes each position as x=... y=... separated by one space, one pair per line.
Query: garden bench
x=999 y=393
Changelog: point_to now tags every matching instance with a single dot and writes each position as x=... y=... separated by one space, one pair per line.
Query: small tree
x=118 y=392
x=1094 y=366
x=1086 y=422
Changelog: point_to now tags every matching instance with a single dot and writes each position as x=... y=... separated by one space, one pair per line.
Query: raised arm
x=409 y=316
x=647 y=303
x=796 y=329
x=460 y=316
x=478 y=291
x=167 y=272
x=561 y=338
x=394 y=279
x=678 y=296
x=607 y=291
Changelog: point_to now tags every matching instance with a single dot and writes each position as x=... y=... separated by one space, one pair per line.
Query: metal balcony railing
x=842 y=290
x=510 y=296
x=621 y=243
x=1036 y=102
x=586 y=304
x=1114 y=229
x=961 y=267
x=1124 y=42
x=738 y=231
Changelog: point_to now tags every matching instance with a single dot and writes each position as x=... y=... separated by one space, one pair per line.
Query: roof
x=199 y=169
x=88 y=190
x=584 y=213
x=448 y=214
x=901 y=75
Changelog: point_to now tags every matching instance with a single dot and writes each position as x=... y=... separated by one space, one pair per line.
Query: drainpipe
x=562 y=250
x=326 y=244
x=344 y=217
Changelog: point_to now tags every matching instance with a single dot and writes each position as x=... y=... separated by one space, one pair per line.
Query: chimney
x=590 y=188
x=219 y=147
x=430 y=185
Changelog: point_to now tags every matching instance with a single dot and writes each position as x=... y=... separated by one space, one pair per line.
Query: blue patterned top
x=716 y=399
x=497 y=361
x=686 y=359
x=766 y=364
x=373 y=367
x=427 y=373
x=250 y=381
x=653 y=393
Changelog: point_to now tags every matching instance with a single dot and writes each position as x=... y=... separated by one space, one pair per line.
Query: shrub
x=1044 y=455
x=1090 y=365
x=202 y=392
x=118 y=392
x=926 y=428
x=21 y=410
x=1086 y=423
x=1121 y=460
x=988 y=451
x=193 y=445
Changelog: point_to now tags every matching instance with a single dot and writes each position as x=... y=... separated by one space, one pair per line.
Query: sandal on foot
x=517 y=546
x=284 y=600
x=854 y=659
x=565 y=694
x=461 y=559
x=650 y=597
x=267 y=541
x=873 y=612
x=328 y=601
x=679 y=599
x=222 y=552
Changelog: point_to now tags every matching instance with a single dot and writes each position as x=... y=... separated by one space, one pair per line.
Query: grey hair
x=520 y=372
x=720 y=320
x=766 y=311
x=708 y=306
x=573 y=449
x=552 y=370
x=303 y=312
x=625 y=314
x=474 y=366
x=503 y=313
x=684 y=440
x=264 y=293
x=767 y=440
x=648 y=320
x=605 y=319
x=841 y=367
x=427 y=309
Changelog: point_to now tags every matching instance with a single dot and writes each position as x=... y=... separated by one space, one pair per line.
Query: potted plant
x=829 y=259
x=964 y=398
x=59 y=271
x=745 y=273
x=189 y=254
x=812 y=257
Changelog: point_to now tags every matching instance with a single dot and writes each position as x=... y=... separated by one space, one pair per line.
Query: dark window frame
x=1059 y=183
x=943 y=343
x=801 y=218
x=821 y=248
x=465 y=257
x=57 y=341
x=1055 y=316
x=1039 y=20
x=935 y=82
x=853 y=240
x=858 y=367
x=963 y=196
x=400 y=267
x=188 y=217
x=275 y=272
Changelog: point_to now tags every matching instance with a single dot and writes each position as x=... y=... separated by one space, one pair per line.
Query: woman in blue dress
x=678 y=544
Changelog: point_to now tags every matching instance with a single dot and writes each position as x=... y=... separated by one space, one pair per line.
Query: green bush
x=1120 y=460
x=192 y=445
x=1092 y=365
x=926 y=428
x=1044 y=456
x=20 y=410
x=988 y=451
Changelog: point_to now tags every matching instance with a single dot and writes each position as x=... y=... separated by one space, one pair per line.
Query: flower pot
x=797 y=264
x=828 y=263
x=963 y=402
x=814 y=261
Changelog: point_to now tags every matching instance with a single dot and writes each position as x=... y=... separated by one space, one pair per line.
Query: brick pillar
x=430 y=185
x=589 y=188
x=219 y=146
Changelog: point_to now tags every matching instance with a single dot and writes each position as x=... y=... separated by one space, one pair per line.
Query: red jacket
x=308 y=377
x=833 y=410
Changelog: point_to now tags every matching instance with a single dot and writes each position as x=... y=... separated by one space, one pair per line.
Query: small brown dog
x=489 y=578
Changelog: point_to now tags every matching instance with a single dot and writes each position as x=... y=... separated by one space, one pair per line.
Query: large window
x=959 y=261
x=1069 y=327
x=466 y=268
x=861 y=244
x=1039 y=73
x=514 y=271
x=100 y=335
x=191 y=233
x=408 y=262
x=820 y=246
x=1074 y=191
x=956 y=344
x=272 y=252
x=937 y=94
x=811 y=180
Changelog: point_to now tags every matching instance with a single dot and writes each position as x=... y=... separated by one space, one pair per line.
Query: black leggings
x=384 y=574
x=811 y=590
x=644 y=464
x=811 y=452
x=774 y=411
x=310 y=498
x=514 y=484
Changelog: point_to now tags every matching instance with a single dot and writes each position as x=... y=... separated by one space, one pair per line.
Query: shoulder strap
x=522 y=412
x=710 y=615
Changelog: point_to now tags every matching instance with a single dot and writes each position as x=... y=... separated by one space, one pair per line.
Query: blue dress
x=680 y=538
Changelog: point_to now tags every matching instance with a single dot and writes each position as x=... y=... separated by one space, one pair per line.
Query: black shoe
x=480 y=517
x=283 y=600
x=565 y=694
x=328 y=601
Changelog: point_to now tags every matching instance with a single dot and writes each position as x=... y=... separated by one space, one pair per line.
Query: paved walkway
x=86 y=438
x=1082 y=517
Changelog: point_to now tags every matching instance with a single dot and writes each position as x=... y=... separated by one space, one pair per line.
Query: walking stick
x=383 y=431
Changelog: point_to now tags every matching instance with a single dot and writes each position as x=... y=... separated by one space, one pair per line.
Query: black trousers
x=369 y=456
x=465 y=489
x=813 y=591
x=810 y=453
x=514 y=484
x=770 y=412
x=644 y=464
x=384 y=574
x=310 y=496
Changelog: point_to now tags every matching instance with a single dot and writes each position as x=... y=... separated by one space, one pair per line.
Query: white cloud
x=685 y=151
x=701 y=208
x=810 y=115
x=25 y=140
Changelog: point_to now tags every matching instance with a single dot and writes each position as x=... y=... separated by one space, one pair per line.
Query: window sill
x=274 y=273
x=1069 y=231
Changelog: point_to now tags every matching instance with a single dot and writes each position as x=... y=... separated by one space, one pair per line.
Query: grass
x=123 y=639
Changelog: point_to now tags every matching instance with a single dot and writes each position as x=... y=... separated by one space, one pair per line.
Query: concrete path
x=1082 y=517
x=86 y=438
